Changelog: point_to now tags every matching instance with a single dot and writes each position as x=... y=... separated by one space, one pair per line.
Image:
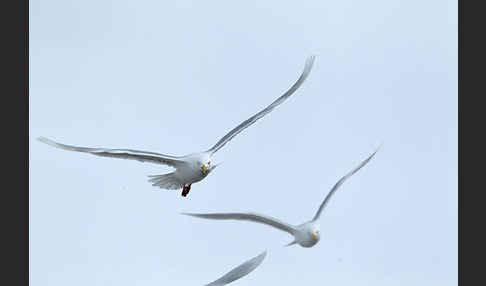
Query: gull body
x=189 y=172
x=191 y=168
x=239 y=271
x=306 y=234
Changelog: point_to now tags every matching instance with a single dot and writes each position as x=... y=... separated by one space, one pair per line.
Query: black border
x=460 y=22
x=15 y=135
x=471 y=144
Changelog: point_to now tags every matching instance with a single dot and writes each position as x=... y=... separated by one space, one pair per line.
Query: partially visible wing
x=308 y=66
x=249 y=217
x=141 y=156
x=339 y=183
x=239 y=271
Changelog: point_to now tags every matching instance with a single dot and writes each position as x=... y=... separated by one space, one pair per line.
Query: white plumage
x=190 y=168
x=306 y=234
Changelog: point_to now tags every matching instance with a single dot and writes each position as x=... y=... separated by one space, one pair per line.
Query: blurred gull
x=306 y=234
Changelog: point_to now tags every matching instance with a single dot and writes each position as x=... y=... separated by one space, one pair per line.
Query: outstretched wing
x=339 y=183
x=226 y=138
x=141 y=156
x=248 y=217
x=239 y=271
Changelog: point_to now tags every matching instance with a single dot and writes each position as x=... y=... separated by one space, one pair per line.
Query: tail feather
x=167 y=181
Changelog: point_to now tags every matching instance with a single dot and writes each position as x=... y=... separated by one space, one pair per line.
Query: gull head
x=207 y=167
x=308 y=234
x=203 y=162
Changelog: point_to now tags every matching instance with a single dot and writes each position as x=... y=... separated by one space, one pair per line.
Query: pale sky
x=174 y=76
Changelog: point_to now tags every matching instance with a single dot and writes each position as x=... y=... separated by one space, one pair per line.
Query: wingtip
x=310 y=60
x=188 y=214
x=262 y=255
x=368 y=159
x=45 y=140
x=378 y=148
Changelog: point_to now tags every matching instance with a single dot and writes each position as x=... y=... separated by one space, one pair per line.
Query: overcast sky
x=174 y=76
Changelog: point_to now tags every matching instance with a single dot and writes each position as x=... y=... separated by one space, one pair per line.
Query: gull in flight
x=239 y=271
x=191 y=168
x=306 y=234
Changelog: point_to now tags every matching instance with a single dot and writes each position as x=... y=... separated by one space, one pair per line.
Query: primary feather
x=268 y=220
x=226 y=138
x=142 y=156
x=339 y=183
x=239 y=271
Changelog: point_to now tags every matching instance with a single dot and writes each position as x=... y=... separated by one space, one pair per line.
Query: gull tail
x=167 y=181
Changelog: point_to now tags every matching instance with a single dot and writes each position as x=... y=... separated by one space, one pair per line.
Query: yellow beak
x=204 y=168
x=314 y=236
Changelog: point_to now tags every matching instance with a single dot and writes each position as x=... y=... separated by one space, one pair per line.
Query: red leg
x=185 y=190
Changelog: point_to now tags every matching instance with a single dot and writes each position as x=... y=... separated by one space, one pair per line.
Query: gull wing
x=226 y=138
x=339 y=183
x=142 y=156
x=239 y=271
x=248 y=217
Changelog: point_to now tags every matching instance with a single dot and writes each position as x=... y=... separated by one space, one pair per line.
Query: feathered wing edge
x=142 y=156
x=340 y=182
x=254 y=217
x=226 y=138
x=239 y=271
